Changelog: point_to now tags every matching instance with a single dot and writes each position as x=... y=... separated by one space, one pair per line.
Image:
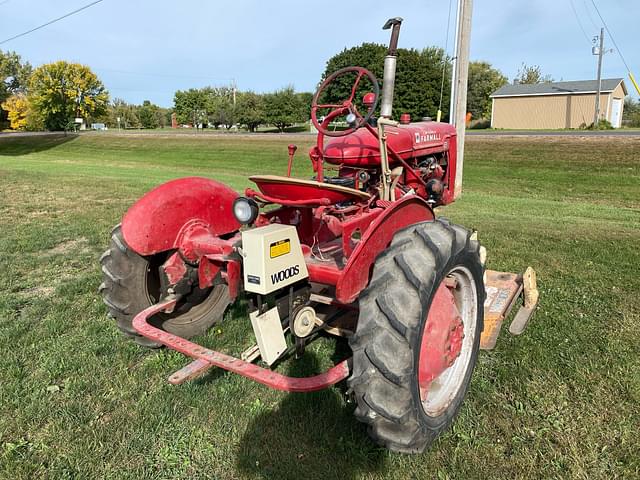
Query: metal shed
x=557 y=104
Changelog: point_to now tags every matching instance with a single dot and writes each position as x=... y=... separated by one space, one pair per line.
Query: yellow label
x=279 y=248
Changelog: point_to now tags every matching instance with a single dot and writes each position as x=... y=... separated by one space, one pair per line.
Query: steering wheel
x=347 y=107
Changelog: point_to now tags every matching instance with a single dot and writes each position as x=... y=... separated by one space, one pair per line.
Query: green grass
x=79 y=401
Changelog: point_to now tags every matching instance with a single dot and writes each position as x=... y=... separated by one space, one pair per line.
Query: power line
x=444 y=61
x=586 y=7
x=575 y=12
x=611 y=36
x=50 y=22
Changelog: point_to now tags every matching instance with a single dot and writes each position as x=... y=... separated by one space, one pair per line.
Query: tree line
x=53 y=95
x=224 y=107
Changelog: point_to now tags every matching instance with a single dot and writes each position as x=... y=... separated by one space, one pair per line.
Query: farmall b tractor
x=357 y=252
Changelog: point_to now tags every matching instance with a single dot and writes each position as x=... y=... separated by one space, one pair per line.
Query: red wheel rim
x=447 y=341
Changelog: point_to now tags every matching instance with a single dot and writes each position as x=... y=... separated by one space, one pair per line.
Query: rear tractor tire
x=405 y=394
x=132 y=283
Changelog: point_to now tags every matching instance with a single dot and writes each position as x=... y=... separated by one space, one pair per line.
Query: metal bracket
x=203 y=355
x=530 y=295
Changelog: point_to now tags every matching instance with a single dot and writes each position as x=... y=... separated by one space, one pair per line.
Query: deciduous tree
x=283 y=108
x=305 y=99
x=126 y=112
x=61 y=91
x=631 y=113
x=220 y=107
x=14 y=75
x=532 y=74
x=191 y=106
x=149 y=115
x=17 y=108
x=251 y=110
x=483 y=81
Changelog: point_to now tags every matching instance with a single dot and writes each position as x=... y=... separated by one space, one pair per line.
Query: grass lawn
x=79 y=401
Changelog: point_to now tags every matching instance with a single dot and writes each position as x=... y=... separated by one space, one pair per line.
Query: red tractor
x=359 y=254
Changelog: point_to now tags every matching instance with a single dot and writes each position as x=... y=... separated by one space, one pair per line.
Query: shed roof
x=559 y=88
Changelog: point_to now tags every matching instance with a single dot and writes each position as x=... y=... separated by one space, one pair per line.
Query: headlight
x=245 y=210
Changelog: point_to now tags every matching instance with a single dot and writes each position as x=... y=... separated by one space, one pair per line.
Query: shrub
x=480 y=124
x=601 y=125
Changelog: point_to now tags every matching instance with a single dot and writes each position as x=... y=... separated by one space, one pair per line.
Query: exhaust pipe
x=389 y=76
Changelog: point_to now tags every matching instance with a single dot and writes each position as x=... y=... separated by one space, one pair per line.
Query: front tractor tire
x=403 y=393
x=132 y=283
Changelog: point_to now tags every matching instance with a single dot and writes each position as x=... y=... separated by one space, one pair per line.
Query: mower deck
x=503 y=290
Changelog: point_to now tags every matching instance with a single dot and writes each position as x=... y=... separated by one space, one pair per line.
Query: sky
x=146 y=50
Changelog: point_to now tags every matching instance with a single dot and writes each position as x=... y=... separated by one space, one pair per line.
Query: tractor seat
x=292 y=191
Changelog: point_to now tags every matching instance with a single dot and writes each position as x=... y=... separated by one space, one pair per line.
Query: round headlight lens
x=245 y=210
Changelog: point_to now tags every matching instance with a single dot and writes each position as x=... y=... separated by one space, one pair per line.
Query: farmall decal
x=427 y=137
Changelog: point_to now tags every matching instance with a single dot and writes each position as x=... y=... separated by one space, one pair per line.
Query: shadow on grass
x=24 y=145
x=308 y=435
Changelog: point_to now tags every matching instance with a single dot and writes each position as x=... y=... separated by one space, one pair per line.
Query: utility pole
x=233 y=89
x=458 y=108
x=600 y=52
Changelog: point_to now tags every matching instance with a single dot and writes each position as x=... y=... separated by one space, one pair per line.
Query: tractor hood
x=412 y=140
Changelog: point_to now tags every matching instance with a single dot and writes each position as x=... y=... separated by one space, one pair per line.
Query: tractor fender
x=154 y=222
x=401 y=214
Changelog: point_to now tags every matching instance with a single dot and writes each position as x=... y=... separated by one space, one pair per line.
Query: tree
x=14 y=75
x=305 y=99
x=126 y=112
x=165 y=116
x=220 y=107
x=61 y=91
x=631 y=113
x=367 y=55
x=419 y=76
x=529 y=75
x=251 y=111
x=483 y=81
x=149 y=114
x=191 y=106
x=283 y=108
x=17 y=107
x=208 y=105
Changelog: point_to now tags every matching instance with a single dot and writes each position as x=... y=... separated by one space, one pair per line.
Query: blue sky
x=148 y=49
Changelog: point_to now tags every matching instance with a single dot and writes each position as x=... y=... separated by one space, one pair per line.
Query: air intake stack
x=389 y=76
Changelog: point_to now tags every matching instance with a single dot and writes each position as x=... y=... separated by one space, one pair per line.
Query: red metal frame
x=341 y=233
x=216 y=359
